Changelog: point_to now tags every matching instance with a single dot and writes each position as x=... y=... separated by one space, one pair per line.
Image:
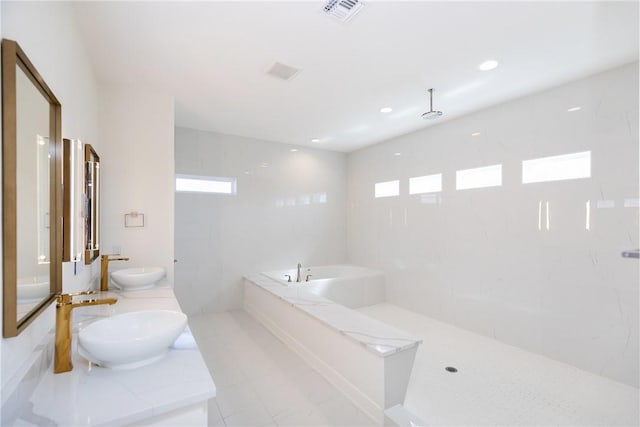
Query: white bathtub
x=349 y=285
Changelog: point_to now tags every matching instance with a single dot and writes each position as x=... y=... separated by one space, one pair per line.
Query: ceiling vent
x=342 y=10
x=282 y=71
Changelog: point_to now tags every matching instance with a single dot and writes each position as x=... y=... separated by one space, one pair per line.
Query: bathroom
x=499 y=238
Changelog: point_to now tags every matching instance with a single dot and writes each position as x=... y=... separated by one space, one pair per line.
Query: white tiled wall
x=290 y=207
x=477 y=258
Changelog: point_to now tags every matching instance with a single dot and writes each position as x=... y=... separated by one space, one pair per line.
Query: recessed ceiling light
x=475 y=134
x=264 y=165
x=247 y=172
x=293 y=150
x=386 y=109
x=315 y=140
x=572 y=109
x=488 y=65
x=397 y=154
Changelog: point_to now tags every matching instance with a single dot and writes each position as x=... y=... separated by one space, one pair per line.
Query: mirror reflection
x=74 y=209
x=31 y=190
x=33 y=182
x=92 y=194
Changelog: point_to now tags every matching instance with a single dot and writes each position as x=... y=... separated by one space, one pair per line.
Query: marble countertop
x=377 y=337
x=91 y=395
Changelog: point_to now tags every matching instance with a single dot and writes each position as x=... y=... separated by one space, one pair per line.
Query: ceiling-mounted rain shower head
x=431 y=114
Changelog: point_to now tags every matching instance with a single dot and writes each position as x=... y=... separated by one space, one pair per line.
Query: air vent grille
x=342 y=10
x=282 y=71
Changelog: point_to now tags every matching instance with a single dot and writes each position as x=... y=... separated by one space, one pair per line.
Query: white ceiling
x=212 y=56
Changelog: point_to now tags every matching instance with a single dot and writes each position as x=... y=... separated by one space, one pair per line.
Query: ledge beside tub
x=369 y=361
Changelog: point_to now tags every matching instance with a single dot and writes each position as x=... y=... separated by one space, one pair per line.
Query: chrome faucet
x=64 y=305
x=299 y=276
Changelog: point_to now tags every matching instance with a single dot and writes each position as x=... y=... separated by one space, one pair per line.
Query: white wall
x=276 y=220
x=476 y=258
x=136 y=166
x=47 y=33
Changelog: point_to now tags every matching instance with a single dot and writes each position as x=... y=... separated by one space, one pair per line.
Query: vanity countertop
x=91 y=395
x=376 y=336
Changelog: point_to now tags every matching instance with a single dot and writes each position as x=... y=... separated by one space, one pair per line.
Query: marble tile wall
x=490 y=259
x=290 y=207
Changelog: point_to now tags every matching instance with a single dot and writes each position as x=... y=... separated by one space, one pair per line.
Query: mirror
x=31 y=171
x=92 y=195
x=74 y=207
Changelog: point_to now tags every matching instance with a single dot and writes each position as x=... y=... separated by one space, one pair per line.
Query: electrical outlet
x=117 y=250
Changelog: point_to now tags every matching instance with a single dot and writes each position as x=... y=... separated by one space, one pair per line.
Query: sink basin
x=131 y=340
x=137 y=278
x=32 y=289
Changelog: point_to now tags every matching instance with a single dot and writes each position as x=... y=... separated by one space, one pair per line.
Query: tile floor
x=260 y=382
x=498 y=384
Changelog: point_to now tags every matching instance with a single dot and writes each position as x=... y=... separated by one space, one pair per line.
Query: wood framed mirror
x=31 y=191
x=92 y=197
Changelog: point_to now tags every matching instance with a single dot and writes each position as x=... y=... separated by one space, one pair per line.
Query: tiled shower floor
x=497 y=384
x=261 y=382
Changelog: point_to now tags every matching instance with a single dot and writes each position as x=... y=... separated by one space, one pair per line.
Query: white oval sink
x=131 y=340
x=31 y=289
x=137 y=278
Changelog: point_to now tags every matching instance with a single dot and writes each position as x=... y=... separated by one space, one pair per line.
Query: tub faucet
x=299 y=276
x=64 y=305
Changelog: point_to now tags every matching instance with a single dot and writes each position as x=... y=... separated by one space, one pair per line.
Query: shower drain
x=451 y=369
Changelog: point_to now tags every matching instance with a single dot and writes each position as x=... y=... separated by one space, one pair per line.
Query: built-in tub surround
x=178 y=385
x=537 y=265
x=349 y=285
x=375 y=360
